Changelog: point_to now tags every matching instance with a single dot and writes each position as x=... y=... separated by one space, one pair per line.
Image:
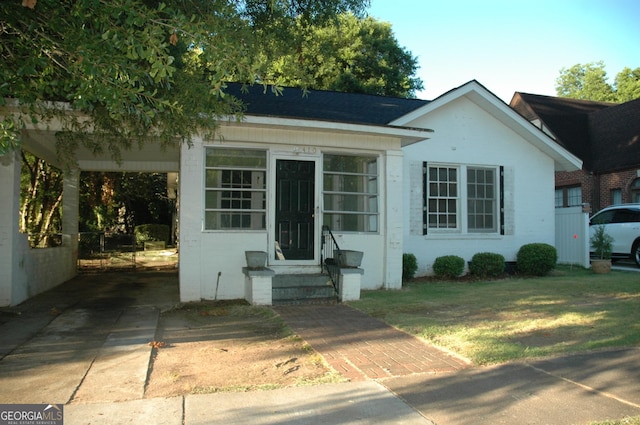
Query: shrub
x=487 y=264
x=536 y=259
x=448 y=266
x=409 y=266
x=151 y=232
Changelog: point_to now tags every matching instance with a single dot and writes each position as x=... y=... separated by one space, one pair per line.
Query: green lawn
x=571 y=310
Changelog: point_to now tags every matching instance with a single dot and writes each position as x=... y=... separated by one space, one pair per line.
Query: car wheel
x=635 y=252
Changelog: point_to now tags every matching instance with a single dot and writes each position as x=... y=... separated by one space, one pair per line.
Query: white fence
x=572 y=236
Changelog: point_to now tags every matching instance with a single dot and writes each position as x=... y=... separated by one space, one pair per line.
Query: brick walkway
x=361 y=347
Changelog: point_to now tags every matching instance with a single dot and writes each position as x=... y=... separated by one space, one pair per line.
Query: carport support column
x=393 y=228
x=13 y=244
x=71 y=215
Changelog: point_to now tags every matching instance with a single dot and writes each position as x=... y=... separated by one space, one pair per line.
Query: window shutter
x=424 y=197
x=502 y=200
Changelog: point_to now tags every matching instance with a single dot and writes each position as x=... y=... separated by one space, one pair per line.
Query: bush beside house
x=536 y=259
x=449 y=266
x=487 y=264
x=409 y=266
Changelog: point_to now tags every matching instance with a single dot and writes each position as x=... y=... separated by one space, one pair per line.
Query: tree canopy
x=589 y=82
x=349 y=54
x=141 y=69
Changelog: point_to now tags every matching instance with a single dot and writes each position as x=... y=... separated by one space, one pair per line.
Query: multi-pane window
x=350 y=193
x=635 y=191
x=559 y=198
x=574 y=196
x=235 y=189
x=462 y=199
x=570 y=196
x=442 y=197
x=481 y=200
x=616 y=196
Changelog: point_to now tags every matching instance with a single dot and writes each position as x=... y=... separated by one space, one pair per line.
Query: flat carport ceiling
x=150 y=157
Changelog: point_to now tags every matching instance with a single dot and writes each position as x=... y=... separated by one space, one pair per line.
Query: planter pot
x=349 y=258
x=256 y=259
x=601 y=266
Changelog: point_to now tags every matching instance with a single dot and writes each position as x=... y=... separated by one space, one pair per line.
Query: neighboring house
x=458 y=175
x=483 y=182
x=605 y=136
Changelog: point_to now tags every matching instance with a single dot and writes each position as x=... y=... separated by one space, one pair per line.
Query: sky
x=511 y=45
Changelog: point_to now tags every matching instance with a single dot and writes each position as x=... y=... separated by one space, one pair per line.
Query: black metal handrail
x=328 y=256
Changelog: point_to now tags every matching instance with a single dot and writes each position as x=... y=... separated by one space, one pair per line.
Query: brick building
x=605 y=136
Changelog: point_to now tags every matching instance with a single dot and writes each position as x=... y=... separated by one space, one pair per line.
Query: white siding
x=211 y=261
x=466 y=134
x=572 y=236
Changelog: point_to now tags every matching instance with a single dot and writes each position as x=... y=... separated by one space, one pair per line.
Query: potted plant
x=602 y=244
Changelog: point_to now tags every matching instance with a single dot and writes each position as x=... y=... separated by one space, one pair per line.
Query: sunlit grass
x=571 y=310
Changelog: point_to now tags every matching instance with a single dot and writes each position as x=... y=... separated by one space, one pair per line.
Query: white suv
x=622 y=222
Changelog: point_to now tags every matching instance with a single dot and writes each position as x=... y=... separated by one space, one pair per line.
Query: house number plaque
x=304 y=149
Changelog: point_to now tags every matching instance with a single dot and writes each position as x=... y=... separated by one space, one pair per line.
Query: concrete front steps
x=290 y=289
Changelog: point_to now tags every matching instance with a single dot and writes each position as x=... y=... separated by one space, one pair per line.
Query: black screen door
x=295 y=188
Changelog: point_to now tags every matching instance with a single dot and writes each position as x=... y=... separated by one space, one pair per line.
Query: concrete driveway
x=84 y=346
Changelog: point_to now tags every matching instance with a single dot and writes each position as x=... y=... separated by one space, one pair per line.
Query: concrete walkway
x=92 y=350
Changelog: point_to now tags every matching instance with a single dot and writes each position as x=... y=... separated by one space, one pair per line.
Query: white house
x=483 y=182
x=386 y=175
x=270 y=183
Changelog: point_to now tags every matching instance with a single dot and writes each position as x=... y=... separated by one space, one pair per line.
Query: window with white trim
x=463 y=199
x=443 y=198
x=482 y=197
x=350 y=193
x=235 y=189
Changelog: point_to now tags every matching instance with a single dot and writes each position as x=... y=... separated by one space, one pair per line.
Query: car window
x=620 y=216
x=626 y=216
x=604 y=217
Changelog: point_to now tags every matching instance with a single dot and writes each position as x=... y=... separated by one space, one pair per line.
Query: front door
x=295 y=207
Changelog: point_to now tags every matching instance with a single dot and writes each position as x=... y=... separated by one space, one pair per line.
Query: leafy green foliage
x=151 y=232
x=449 y=266
x=602 y=243
x=589 y=82
x=117 y=202
x=409 y=266
x=536 y=259
x=139 y=70
x=349 y=54
x=40 y=200
x=487 y=264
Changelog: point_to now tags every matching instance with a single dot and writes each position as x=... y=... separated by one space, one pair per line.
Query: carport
x=25 y=272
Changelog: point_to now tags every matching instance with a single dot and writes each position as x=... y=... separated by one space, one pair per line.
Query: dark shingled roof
x=353 y=108
x=604 y=135
x=615 y=134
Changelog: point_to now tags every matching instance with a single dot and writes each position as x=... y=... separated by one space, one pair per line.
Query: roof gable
x=604 y=135
x=489 y=102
